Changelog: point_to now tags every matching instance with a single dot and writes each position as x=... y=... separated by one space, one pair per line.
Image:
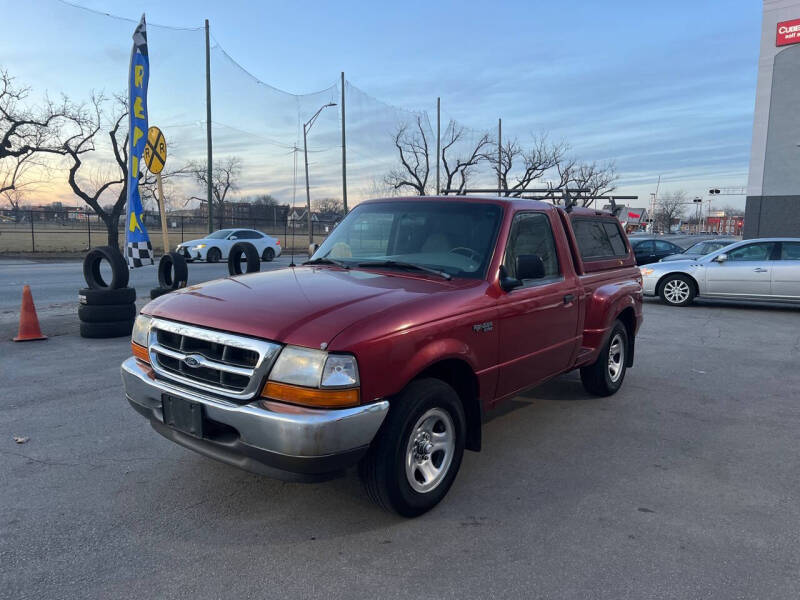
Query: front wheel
x=213 y=255
x=604 y=377
x=417 y=453
x=677 y=290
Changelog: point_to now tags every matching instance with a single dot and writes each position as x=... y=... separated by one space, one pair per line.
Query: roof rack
x=570 y=196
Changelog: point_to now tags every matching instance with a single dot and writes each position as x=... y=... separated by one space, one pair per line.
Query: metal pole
x=344 y=154
x=89 y=228
x=499 y=154
x=438 y=141
x=208 y=130
x=163 y=210
x=33 y=237
x=308 y=190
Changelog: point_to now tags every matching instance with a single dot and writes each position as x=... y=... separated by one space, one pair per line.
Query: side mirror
x=721 y=258
x=530 y=266
x=508 y=283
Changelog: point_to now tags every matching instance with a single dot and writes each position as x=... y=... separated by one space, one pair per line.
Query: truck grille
x=230 y=365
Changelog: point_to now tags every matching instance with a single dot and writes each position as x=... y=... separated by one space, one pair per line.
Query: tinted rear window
x=598 y=240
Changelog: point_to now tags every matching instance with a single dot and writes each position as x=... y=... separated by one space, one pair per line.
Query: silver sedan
x=758 y=269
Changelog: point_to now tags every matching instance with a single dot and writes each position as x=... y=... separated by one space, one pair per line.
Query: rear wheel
x=604 y=377
x=677 y=290
x=417 y=453
x=268 y=255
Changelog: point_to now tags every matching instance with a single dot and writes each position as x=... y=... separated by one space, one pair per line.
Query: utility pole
x=306 y=126
x=208 y=132
x=438 y=141
x=499 y=155
x=344 y=154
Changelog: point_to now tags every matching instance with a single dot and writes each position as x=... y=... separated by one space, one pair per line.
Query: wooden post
x=164 y=231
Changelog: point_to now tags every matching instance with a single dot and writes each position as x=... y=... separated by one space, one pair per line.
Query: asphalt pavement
x=683 y=485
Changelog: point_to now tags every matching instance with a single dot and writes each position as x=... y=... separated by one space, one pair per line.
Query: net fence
x=257 y=129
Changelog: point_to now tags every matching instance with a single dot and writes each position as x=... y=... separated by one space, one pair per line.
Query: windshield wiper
x=405 y=265
x=327 y=261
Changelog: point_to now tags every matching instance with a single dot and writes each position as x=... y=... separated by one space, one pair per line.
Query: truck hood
x=307 y=306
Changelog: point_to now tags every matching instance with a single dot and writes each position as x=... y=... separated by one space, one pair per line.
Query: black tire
x=90 y=297
x=597 y=378
x=109 y=329
x=383 y=469
x=105 y=313
x=235 y=258
x=91 y=268
x=677 y=290
x=159 y=291
x=213 y=255
x=268 y=255
x=172 y=271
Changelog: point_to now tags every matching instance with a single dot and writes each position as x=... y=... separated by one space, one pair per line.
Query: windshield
x=703 y=248
x=219 y=235
x=454 y=237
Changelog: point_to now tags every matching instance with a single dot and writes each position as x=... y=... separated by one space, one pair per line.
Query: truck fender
x=604 y=306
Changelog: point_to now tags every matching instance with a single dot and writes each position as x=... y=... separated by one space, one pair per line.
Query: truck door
x=537 y=321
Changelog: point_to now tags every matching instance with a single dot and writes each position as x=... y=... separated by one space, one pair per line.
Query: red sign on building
x=788 y=33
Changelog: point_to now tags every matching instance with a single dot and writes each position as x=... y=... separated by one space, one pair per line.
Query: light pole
x=306 y=128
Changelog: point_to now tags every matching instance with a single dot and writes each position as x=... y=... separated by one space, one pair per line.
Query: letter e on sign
x=788 y=32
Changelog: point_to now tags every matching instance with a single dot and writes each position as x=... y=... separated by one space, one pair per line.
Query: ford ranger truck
x=386 y=348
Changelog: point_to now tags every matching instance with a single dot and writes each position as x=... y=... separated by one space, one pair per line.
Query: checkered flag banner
x=138 y=249
x=139 y=254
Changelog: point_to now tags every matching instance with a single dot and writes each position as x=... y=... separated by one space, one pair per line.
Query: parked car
x=758 y=269
x=216 y=246
x=699 y=249
x=413 y=318
x=650 y=250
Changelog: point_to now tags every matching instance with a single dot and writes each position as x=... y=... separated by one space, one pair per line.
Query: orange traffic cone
x=28 y=321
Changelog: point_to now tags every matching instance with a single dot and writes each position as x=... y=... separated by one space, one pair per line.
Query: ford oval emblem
x=192 y=361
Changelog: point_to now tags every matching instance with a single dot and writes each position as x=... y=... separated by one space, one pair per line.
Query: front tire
x=416 y=455
x=605 y=376
x=677 y=290
x=213 y=255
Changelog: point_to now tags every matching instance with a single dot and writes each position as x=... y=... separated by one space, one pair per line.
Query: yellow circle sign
x=155 y=150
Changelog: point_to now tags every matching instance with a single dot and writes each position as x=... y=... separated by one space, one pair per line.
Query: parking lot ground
x=683 y=485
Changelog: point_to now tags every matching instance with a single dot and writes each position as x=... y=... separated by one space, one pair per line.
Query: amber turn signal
x=312 y=397
x=140 y=352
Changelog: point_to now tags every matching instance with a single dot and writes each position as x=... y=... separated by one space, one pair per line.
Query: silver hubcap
x=430 y=450
x=616 y=357
x=676 y=291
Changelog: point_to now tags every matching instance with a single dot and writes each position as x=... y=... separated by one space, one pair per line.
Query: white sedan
x=216 y=246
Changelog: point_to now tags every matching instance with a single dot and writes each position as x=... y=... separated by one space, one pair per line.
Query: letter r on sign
x=138 y=75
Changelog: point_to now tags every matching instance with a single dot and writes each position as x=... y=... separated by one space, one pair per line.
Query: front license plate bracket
x=183 y=415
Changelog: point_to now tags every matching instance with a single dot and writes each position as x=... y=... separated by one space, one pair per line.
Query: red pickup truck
x=385 y=349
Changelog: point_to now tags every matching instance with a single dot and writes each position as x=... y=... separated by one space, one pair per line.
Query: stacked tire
x=106 y=309
x=173 y=273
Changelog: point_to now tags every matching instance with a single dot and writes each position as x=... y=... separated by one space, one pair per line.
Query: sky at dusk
x=660 y=88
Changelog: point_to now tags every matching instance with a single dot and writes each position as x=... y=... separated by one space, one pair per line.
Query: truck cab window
x=531 y=234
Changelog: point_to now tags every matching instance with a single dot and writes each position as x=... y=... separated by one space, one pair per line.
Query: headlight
x=199 y=246
x=314 y=378
x=646 y=271
x=299 y=366
x=141 y=330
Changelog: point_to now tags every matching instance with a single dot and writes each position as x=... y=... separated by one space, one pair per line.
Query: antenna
x=294 y=194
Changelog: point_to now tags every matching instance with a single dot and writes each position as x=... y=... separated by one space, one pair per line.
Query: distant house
x=299 y=219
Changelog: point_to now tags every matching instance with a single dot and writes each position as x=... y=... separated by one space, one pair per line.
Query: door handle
x=760 y=270
x=569 y=298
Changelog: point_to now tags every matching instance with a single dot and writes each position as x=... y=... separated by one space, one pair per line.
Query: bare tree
x=670 y=207
x=519 y=169
x=458 y=168
x=98 y=183
x=598 y=179
x=329 y=209
x=412 y=145
x=225 y=172
x=27 y=131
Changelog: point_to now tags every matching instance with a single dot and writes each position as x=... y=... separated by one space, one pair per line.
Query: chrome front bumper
x=262 y=436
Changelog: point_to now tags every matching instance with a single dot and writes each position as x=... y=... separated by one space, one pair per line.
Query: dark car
x=699 y=249
x=651 y=250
